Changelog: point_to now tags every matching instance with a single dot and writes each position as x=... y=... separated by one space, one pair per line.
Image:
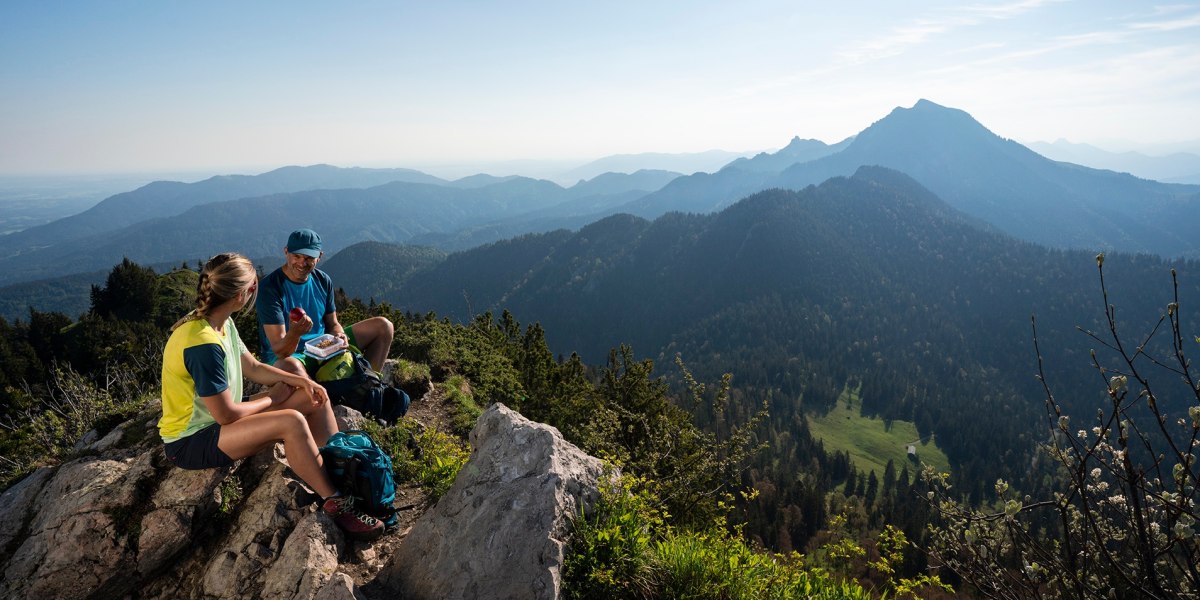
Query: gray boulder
x=501 y=530
x=183 y=499
x=78 y=542
x=16 y=506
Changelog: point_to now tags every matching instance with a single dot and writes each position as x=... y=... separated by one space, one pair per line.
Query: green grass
x=869 y=441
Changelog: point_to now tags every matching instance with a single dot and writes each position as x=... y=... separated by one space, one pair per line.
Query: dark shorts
x=199 y=450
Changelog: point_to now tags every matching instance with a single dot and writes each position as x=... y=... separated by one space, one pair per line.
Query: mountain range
x=183 y=228
x=996 y=182
x=1176 y=167
x=655 y=161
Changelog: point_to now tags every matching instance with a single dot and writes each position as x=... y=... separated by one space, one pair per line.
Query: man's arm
x=285 y=340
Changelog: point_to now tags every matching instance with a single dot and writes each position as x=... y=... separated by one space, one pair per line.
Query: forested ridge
x=868 y=283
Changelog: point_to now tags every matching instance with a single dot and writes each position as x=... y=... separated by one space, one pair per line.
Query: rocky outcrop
x=502 y=529
x=121 y=522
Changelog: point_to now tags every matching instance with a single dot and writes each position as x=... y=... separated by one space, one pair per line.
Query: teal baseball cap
x=306 y=242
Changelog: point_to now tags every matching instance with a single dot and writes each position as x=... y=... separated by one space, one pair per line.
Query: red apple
x=297 y=314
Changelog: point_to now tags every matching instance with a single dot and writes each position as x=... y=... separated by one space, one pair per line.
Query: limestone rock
x=307 y=562
x=16 y=504
x=109 y=441
x=78 y=543
x=348 y=418
x=340 y=587
x=256 y=538
x=501 y=529
x=183 y=498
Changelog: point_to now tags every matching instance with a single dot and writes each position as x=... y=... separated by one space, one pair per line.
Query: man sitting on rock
x=298 y=284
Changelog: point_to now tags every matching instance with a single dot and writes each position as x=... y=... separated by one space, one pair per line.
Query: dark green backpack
x=349 y=380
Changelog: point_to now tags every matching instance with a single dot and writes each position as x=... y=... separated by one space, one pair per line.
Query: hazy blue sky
x=139 y=86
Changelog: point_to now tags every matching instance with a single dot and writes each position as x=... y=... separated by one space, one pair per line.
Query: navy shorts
x=199 y=450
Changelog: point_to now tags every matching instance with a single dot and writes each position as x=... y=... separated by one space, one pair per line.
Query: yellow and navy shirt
x=197 y=362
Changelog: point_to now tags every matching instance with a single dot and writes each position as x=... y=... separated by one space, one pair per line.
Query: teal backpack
x=358 y=467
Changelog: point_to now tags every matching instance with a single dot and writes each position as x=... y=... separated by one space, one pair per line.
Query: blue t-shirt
x=278 y=295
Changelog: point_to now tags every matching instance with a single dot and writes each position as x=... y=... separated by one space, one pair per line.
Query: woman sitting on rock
x=207 y=423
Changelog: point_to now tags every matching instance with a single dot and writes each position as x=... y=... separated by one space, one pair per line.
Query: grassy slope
x=871 y=443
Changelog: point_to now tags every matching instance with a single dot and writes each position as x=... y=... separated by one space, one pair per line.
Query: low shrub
x=625 y=549
x=429 y=458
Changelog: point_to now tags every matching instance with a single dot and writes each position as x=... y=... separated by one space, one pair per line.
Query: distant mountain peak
x=926 y=108
x=926 y=121
x=798 y=150
x=799 y=143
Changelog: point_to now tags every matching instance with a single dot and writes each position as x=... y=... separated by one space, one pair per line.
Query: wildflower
x=1194 y=413
x=1118 y=383
x=1082 y=434
x=1001 y=487
x=1096 y=473
x=1011 y=508
x=1063 y=421
x=1182 y=531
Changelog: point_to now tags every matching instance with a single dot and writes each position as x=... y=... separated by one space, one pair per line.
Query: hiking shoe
x=355 y=523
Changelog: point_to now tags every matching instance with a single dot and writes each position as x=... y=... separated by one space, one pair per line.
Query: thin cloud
x=1107 y=37
x=900 y=39
x=1168 y=9
x=921 y=30
x=1006 y=11
x=1171 y=25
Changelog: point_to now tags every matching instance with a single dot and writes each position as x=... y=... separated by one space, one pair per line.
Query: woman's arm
x=265 y=374
x=225 y=411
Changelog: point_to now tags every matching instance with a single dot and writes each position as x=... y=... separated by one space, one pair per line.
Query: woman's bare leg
x=321 y=421
x=248 y=435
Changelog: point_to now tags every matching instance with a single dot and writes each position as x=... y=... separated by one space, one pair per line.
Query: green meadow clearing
x=870 y=442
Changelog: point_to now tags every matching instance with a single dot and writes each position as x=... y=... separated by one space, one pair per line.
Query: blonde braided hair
x=224 y=277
